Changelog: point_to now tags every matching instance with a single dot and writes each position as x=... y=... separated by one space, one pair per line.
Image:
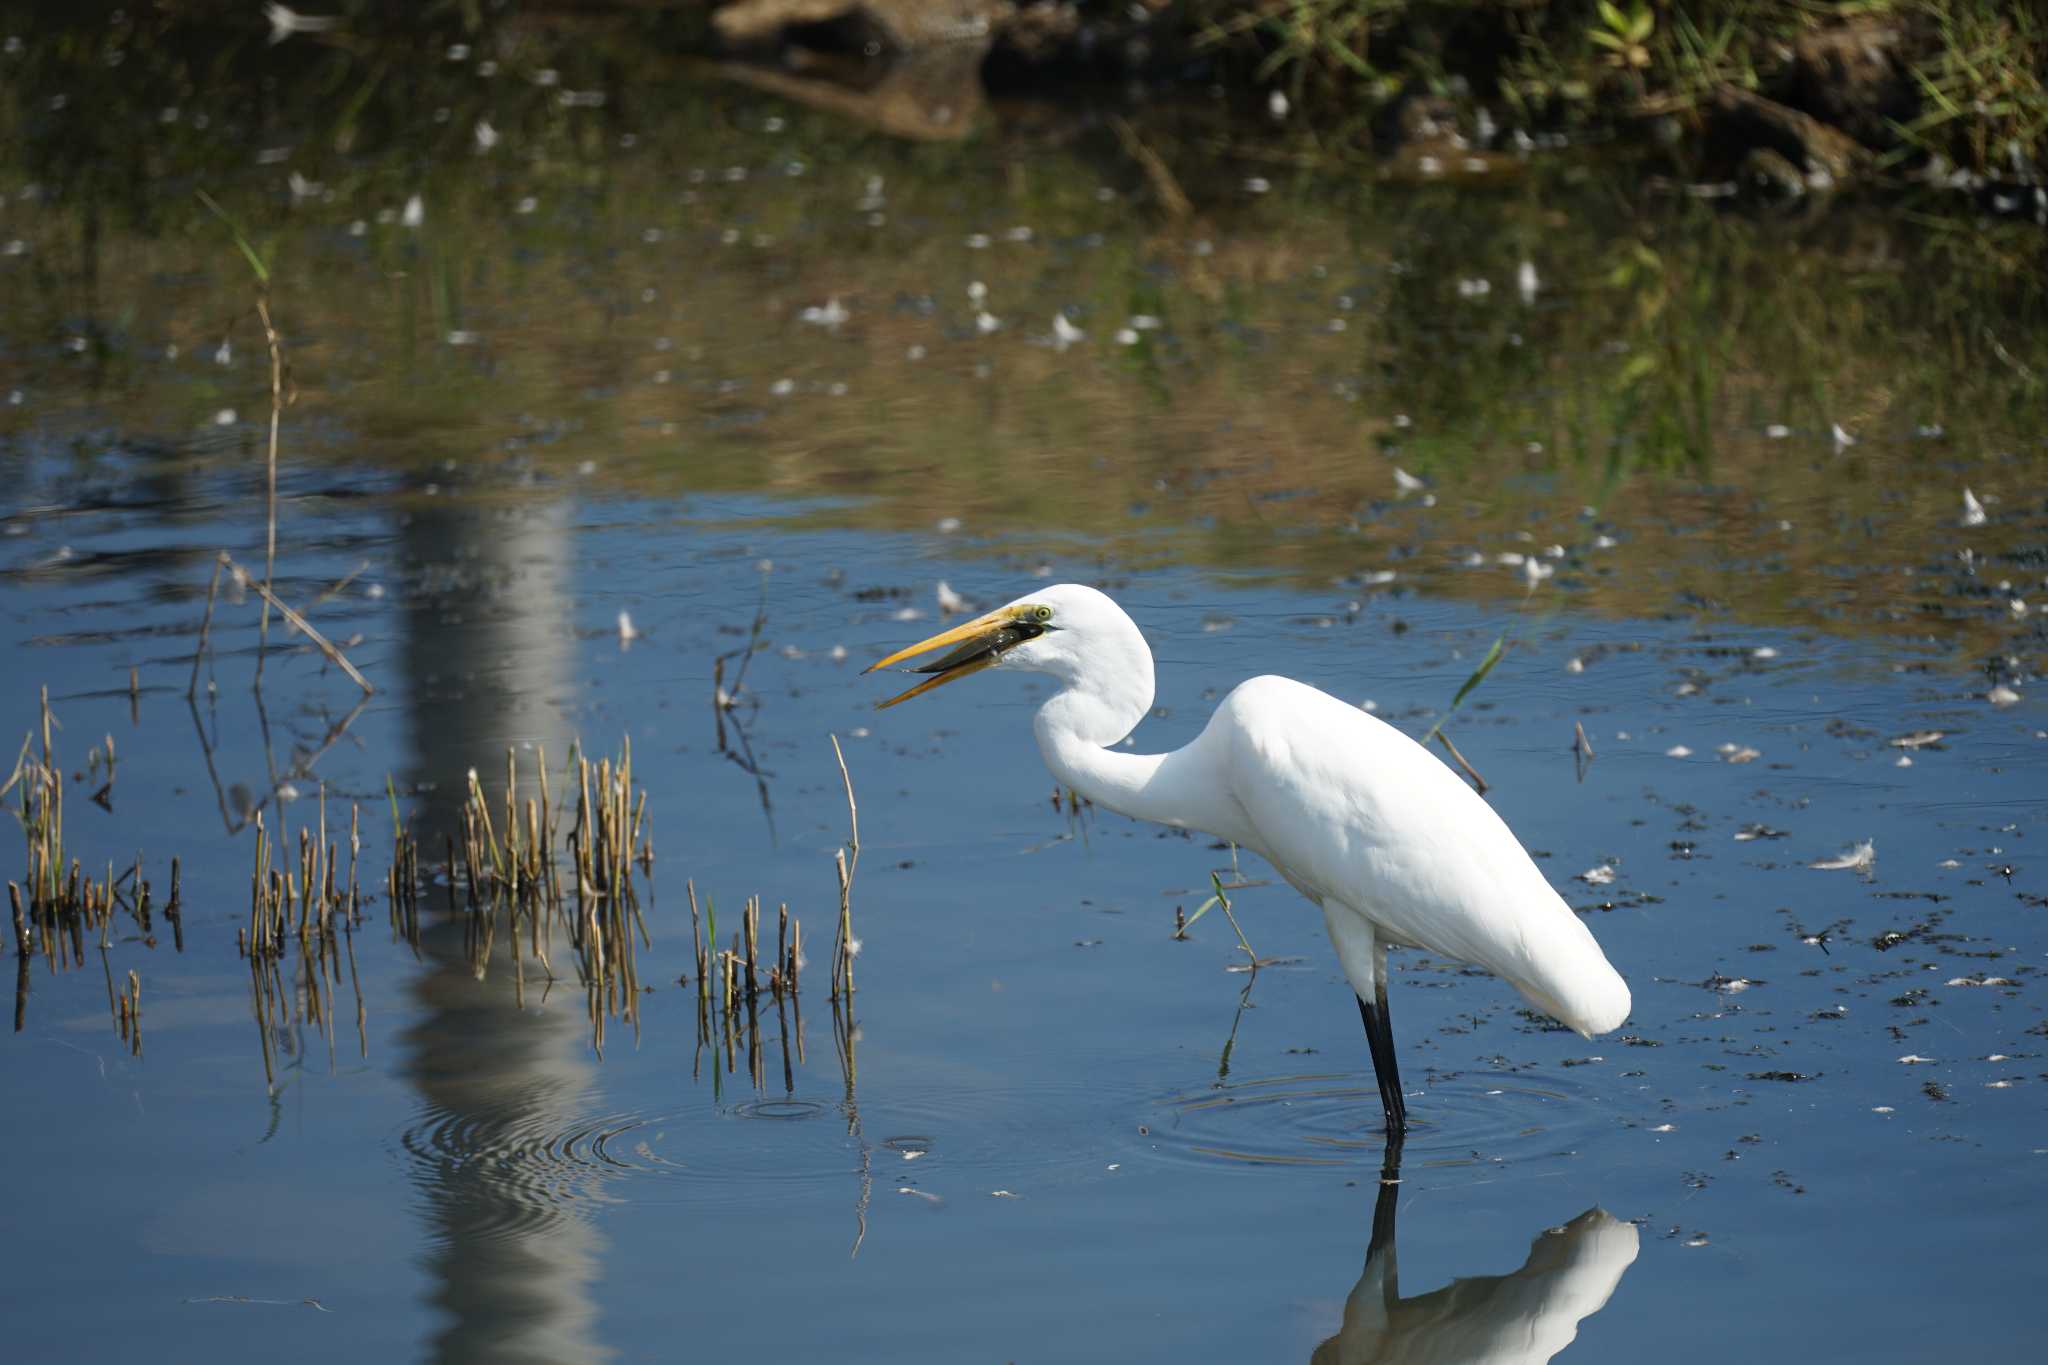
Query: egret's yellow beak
x=981 y=642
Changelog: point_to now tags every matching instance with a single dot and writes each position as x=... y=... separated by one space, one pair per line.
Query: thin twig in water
x=299 y=623
x=852 y=810
x=1244 y=998
x=340 y=587
x=727 y=700
x=1223 y=903
x=1470 y=771
x=262 y=273
x=1582 y=750
x=1998 y=348
x=205 y=629
x=844 y=949
x=1171 y=197
x=270 y=492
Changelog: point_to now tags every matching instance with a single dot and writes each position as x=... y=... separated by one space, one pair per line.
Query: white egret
x=1392 y=846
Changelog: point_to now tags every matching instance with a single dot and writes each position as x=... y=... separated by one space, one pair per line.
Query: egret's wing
x=1365 y=816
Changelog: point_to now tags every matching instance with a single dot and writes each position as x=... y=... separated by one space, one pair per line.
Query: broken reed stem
x=845 y=863
x=796 y=957
x=174 y=909
x=842 y=948
x=852 y=810
x=340 y=585
x=270 y=499
x=752 y=926
x=355 y=849
x=696 y=930
x=1242 y=941
x=1470 y=771
x=788 y=1069
x=1171 y=197
x=133 y=1003
x=298 y=623
x=205 y=627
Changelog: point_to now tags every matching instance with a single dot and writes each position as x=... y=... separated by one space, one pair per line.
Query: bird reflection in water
x=1525 y=1316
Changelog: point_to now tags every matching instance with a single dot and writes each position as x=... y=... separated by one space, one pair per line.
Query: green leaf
x=1210 y=904
x=1613 y=17
x=1641 y=23
x=1493 y=654
x=1486 y=664
x=248 y=252
x=1606 y=39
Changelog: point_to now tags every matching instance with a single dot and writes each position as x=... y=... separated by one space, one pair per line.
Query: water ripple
x=1043 y=1130
x=1333 y=1120
x=514 y=1169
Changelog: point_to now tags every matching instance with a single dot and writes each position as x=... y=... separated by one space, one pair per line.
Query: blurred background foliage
x=556 y=237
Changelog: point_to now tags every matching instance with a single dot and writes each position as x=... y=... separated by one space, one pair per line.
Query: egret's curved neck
x=1076 y=727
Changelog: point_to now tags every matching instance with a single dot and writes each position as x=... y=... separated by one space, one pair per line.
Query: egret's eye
x=1042 y=613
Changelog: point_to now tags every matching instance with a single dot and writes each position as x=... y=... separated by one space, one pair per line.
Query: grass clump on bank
x=1960 y=80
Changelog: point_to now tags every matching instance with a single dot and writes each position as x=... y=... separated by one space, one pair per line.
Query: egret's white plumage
x=1393 y=847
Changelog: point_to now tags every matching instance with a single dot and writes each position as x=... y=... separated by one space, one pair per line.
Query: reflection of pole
x=487 y=657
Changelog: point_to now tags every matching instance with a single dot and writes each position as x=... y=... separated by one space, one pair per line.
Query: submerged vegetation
x=65 y=909
x=503 y=883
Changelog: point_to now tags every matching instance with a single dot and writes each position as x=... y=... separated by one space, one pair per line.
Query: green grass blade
x=1486 y=664
x=248 y=252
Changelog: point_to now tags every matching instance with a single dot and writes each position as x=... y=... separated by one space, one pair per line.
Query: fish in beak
x=979 y=644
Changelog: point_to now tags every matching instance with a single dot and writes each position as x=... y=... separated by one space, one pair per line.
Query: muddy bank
x=1778 y=104
x=1734 y=97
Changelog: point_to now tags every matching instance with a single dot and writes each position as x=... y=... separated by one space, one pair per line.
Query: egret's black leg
x=1372 y=1045
x=1383 y=1210
x=1393 y=1061
x=1379 y=1039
